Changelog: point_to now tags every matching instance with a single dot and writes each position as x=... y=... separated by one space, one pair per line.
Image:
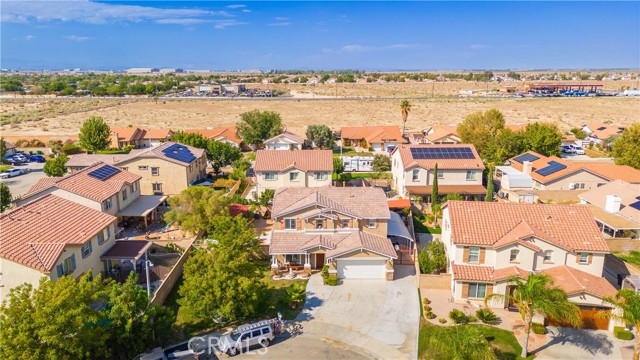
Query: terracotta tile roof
x=629 y=195
x=157 y=152
x=35 y=234
x=446 y=164
x=83 y=160
x=361 y=202
x=574 y=281
x=399 y=204
x=128 y=133
x=607 y=170
x=472 y=272
x=298 y=242
x=9 y=145
x=437 y=132
x=372 y=133
x=85 y=185
x=157 y=134
x=570 y=227
x=305 y=160
x=287 y=134
x=505 y=273
x=518 y=234
x=42 y=184
x=604 y=131
x=447 y=189
x=43 y=138
x=217 y=133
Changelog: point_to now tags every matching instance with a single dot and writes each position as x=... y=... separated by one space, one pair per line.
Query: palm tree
x=405 y=106
x=536 y=295
x=296 y=295
x=628 y=302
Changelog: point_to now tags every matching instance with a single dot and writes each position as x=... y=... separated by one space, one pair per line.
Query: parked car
x=249 y=335
x=577 y=149
x=566 y=149
x=11 y=173
x=37 y=158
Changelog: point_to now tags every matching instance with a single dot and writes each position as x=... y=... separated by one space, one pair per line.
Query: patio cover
x=143 y=205
x=516 y=178
x=448 y=189
x=396 y=227
x=613 y=221
x=127 y=250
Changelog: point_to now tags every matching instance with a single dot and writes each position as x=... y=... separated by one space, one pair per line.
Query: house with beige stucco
x=347 y=228
x=138 y=138
x=487 y=243
x=275 y=169
x=285 y=141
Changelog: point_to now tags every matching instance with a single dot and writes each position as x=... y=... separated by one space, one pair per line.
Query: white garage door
x=361 y=269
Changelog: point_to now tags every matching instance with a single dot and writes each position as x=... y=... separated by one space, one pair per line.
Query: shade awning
x=143 y=205
x=396 y=227
x=448 y=189
x=127 y=250
x=613 y=221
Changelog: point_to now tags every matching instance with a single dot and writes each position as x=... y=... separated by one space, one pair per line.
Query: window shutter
x=482 y=251
x=577 y=258
x=465 y=254
x=91 y=245
x=281 y=224
x=590 y=258
x=298 y=224
x=465 y=289
x=60 y=270
x=73 y=262
x=489 y=290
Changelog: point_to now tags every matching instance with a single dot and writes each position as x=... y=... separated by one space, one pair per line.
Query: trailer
x=357 y=163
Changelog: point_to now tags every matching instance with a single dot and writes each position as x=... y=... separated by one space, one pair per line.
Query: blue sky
x=320 y=35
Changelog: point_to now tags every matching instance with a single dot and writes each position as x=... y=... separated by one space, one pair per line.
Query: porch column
x=274 y=265
x=307 y=264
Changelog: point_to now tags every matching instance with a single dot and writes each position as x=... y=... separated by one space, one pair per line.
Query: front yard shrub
x=622 y=333
x=442 y=321
x=426 y=301
x=332 y=280
x=431 y=315
x=427 y=308
x=458 y=317
x=487 y=316
x=537 y=328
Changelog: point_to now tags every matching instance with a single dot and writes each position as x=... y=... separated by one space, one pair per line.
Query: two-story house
x=459 y=170
x=51 y=237
x=601 y=135
x=346 y=228
x=487 y=243
x=285 y=141
x=276 y=169
x=227 y=134
x=378 y=138
x=101 y=187
x=138 y=138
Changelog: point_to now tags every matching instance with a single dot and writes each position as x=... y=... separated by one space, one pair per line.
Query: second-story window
x=290 y=224
x=155 y=171
x=513 y=257
x=548 y=256
x=372 y=223
x=471 y=175
x=474 y=254
x=86 y=248
x=346 y=223
x=107 y=204
x=124 y=194
x=108 y=232
x=440 y=174
x=101 y=236
x=143 y=167
x=584 y=258
x=415 y=175
x=293 y=176
x=319 y=223
x=269 y=176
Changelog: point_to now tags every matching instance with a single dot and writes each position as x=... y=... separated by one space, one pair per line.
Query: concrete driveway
x=577 y=344
x=20 y=184
x=376 y=318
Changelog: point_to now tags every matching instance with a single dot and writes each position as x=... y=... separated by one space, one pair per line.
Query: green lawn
x=632 y=257
x=347 y=151
x=502 y=342
x=4 y=168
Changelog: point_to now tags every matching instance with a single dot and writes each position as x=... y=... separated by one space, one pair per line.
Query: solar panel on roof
x=602 y=128
x=526 y=157
x=442 y=153
x=635 y=205
x=104 y=172
x=553 y=166
x=179 y=152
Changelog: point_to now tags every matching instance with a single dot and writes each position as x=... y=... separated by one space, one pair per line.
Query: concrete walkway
x=379 y=318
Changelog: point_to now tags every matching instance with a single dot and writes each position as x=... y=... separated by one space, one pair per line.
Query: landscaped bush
x=442 y=321
x=325 y=271
x=537 y=328
x=431 y=315
x=487 y=316
x=332 y=280
x=224 y=183
x=426 y=301
x=432 y=258
x=71 y=149
x=458 y=317
x=427 y=309
x=622 y=333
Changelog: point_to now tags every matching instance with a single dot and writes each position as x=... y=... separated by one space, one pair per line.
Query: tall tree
x=222 y=154
x=191 y=139
x=479 y=128
x=543 y=138
x=224 y=281
x=505 y=145
x=489 y=196
x=537 y=295
x=5 y=197
x=381 y=163
x=405 y=108
x=3 y=148
x=434 y=188
x=338 y=166
x=94 y=134
x=626 y=148
x=195 y=208
x=628 y=301
x=257 y=126
x=56 y=167
x=320 y=136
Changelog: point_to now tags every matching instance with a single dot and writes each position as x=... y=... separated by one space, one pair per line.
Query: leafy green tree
x=434 y=188
x=463 y=342
x=5 y=197
x=543 y=138
x=537 y=295
x=56 y=166
x=222 y=154
x=320 y=136
x=224 y=281
x=338 y=166
x=94 y=134
x=405 y=108
x=505 y=145
x=381 y=163
x=257 y=126
x=579 y=133
x=266 y=197
x=433 y=258
x=195 y=208
x=626 y=148
x=452 y=196
x=3 y=148
x=192 y=139
x=479 y=128
x=628 y=301
x=489 y=196
x=240 y=168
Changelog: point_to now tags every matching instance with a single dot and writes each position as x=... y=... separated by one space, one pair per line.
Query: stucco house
x=227 y=134
x=616 y=208
x=601 y=135
x=347 y=228
x=459 y=170
x=442 y=134
x=285 y=141
x=11 y=149
x=488 y=242
x=276 y=169
x=138 y=138
x=378 y=138
x=51 y=237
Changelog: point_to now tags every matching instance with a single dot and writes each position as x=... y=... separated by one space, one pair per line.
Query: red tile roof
x=574 y=281
x=399 y=204
x=336 y=244
x=447 y=189
x=437 y=132
x=305 y=160
x=157 y=152
x=83 y=184
x=603 y=131
x=486 y=273
x=35 y=234
x=570 y=227
x=127 y=134
x=505 y=273
x=287 y=134
x=225 y=132
x=372 y=134
x=446 y=164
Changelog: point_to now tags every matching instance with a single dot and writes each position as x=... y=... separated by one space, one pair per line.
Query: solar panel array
x=553 y=166
x=179 y=152
x=602 y=128
x=526 y=157
x=104 y=172
x=442 y=153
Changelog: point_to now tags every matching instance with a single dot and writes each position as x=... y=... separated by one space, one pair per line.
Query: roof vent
x=612 y=204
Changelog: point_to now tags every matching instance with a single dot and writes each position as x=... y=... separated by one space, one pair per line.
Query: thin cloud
x=236 y=6
x=222 y=24
x=246 y=10
x=479 y=46
x=357 y=48
x=280 y=24
x=29 y=37
x=77 y=38
x=281 y=18
x=178 y=21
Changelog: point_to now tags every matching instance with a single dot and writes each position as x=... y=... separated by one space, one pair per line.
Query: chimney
x=526 y=167
x=612 y=204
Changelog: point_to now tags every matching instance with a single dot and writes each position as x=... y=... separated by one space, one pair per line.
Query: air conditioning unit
x=572 y=186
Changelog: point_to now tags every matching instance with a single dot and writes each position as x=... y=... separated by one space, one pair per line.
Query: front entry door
x=319 y=261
